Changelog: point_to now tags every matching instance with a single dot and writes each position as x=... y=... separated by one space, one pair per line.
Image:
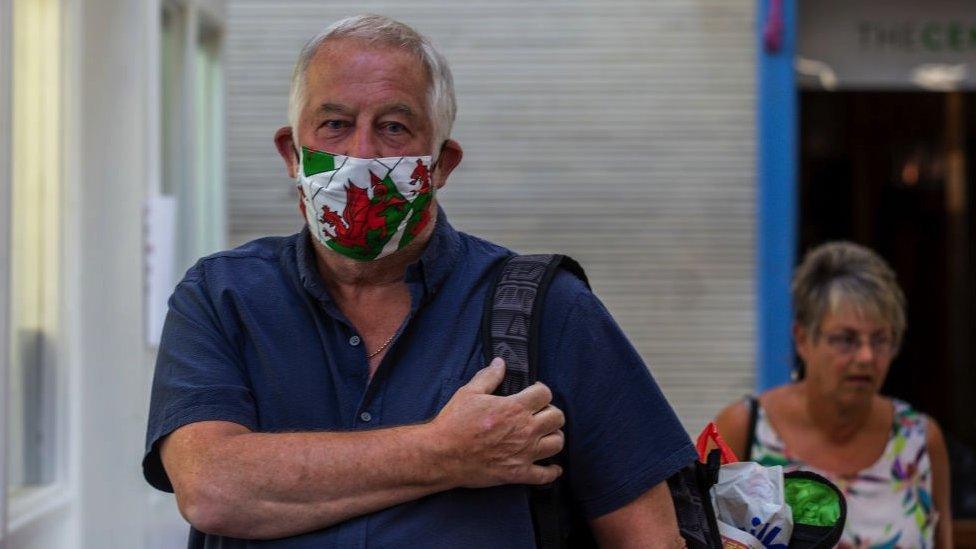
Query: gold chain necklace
x=383 y=346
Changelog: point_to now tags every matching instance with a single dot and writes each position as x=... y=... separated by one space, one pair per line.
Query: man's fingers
x=549 y=445
x=487 y=379
x=548 y=420
x=542 y=474
x=535 y=397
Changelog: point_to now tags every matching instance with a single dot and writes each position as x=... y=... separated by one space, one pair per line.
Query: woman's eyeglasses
x=847 y=343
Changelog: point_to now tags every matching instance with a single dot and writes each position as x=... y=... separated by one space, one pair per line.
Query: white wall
x=110 y=157
x=111 y=362
x=118 y=157
x=620 y=132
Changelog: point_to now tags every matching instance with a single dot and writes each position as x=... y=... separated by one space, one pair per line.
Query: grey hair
x=839 y=274
x=380 y=30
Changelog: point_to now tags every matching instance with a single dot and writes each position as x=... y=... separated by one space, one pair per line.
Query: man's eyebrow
x=399 y=108
x=332 y=108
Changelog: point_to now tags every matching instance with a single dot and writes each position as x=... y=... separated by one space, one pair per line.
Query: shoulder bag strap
x=510 y=330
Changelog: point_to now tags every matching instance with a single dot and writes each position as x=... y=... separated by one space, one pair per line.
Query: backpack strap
x=690 y=491
x=510 y=322
x=753 y=403
x=510 y=330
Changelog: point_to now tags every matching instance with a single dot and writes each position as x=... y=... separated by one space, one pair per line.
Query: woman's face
x=849 y=355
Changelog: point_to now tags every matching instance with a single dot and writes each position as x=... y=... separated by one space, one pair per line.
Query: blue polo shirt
x=253 y=337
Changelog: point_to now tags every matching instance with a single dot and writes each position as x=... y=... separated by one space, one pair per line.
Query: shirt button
x=365 y=416
x=354 y=340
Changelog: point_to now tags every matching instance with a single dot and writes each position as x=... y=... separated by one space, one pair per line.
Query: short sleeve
x=198 y=377
x=622 y=436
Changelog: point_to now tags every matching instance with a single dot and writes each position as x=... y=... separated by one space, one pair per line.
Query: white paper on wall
x=160 y=254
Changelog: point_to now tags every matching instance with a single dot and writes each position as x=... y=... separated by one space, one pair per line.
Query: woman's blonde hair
x=842 y=273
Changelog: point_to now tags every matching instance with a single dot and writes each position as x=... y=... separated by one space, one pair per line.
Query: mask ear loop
x=298 y=160
x=433 y=165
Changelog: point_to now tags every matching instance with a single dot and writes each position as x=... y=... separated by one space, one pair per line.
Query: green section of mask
x=314 y=162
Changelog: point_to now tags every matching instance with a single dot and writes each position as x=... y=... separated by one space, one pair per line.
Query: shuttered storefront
x=619 y=132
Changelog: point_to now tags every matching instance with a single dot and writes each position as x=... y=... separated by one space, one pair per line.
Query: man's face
x=367 y=102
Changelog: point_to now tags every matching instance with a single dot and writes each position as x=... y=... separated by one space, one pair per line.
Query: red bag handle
x=710 y=432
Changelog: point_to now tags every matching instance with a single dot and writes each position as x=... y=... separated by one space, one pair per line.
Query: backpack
x=510 y=330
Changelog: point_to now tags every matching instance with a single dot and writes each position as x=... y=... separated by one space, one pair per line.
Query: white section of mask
x=365 y=208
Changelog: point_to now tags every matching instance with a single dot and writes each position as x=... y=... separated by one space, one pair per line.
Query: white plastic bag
x=733 y=538
x=751 y=497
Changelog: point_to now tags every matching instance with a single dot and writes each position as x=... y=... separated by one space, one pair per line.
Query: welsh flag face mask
x=365 y=208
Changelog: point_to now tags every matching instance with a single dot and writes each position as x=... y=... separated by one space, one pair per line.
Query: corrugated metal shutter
x=619 y=132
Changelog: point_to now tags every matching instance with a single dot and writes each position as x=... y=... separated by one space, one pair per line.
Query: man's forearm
x=261 y=485
x=233 y=482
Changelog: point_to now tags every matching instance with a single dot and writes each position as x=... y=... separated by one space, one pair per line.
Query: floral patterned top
x=889 y=504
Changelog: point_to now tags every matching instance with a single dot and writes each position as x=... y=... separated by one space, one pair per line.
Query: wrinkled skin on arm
x=647 y=522
x=233 y=482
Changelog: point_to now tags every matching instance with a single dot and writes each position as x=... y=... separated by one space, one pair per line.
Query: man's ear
x=450 y=157
x=287 y=148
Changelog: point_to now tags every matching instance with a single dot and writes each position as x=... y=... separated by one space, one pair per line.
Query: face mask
x=365 y=208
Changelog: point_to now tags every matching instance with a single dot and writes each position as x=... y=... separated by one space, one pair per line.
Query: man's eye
x=334 y=124
x=395 y=128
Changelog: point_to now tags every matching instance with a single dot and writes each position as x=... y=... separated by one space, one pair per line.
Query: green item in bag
x=812 y=502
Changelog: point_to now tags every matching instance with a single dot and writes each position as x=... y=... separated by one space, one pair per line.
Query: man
x=328 y=387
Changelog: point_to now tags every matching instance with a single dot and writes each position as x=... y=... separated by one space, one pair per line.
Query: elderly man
x=328 y=387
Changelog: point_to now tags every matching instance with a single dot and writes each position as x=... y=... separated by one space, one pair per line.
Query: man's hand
x=491 y=440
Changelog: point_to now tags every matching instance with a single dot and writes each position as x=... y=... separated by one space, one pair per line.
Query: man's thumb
x=488 y=379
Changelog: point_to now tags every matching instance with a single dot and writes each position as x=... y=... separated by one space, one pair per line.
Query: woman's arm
x=940 y=484
x=733 y=425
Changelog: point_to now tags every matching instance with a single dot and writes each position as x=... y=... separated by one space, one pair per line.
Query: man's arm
x=647 y=522
x=234 y=482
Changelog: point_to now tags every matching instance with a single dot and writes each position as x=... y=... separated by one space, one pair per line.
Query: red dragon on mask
x=366 y=224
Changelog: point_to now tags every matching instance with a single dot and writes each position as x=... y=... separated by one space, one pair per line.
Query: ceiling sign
x=887 y=44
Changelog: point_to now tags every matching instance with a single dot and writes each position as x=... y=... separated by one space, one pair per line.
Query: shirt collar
x=433 y=268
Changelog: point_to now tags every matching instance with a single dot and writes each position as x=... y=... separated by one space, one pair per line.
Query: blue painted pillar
x=776 y=229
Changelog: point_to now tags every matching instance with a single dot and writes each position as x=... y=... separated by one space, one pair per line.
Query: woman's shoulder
x=906 y=418
x=784 y=403
x=735 y=421
x=737 y=416
x=733 y=425
x=788 y=391
x=910 y=430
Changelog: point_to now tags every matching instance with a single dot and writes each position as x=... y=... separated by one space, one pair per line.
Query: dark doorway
x=895 y=171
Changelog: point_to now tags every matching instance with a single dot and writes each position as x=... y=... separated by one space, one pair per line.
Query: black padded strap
x=544 y=502
x=510 y=330
x=751 y=433
x=510 y=324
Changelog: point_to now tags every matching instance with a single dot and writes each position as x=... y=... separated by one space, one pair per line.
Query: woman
x=888 y=459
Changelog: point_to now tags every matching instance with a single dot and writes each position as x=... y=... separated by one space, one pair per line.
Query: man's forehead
x=356 y=61
x=351 y=53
